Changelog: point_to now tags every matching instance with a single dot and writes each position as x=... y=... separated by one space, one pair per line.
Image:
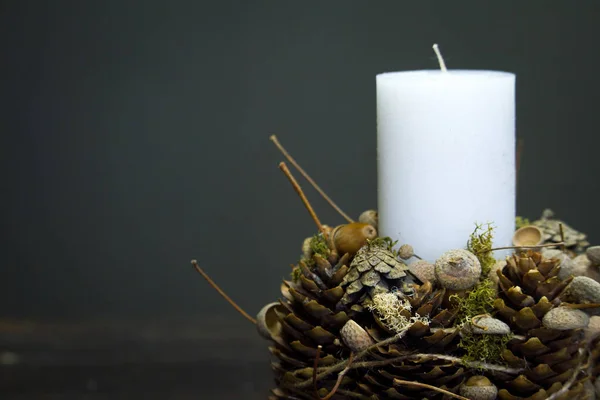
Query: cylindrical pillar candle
x=446 y=157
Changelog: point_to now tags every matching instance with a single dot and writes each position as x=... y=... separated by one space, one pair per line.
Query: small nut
x=406 y=251
x=457 y=269
x=355 y=337
x=424 y=270
x=563 y=319
x=479 y=387
x=593 y=253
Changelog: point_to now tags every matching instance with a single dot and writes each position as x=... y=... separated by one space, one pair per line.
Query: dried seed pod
x=350 y=238
x=355 y=337
x=562 y=319
x=457 y=269
x=583 y=290
x=424 y=270
x=406 y=251
x=486 y=325
x=479 y=387
x=593 y=253
x=370 y=217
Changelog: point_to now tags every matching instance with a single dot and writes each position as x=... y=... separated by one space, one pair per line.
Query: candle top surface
x=434 y=75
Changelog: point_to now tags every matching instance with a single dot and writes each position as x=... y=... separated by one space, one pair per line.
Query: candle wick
x=440 y=58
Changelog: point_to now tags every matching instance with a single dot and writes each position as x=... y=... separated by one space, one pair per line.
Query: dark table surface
x=159 y=359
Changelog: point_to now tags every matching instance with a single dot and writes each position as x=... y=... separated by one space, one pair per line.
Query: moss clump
x=478 y=301
x=484 y=348
x=296 y=272
x=480 y=244
x=318 y=245
x=521 y=222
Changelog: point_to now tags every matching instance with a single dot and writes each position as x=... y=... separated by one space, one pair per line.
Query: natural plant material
x=521 y=222
x=480 y=244
x=423 y=343
x=478 y=301
x=484 y=348
x=390 y=310
x=318 y=245
x=457 y=269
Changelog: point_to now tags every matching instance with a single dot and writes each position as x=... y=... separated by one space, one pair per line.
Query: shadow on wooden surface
x=160 y=359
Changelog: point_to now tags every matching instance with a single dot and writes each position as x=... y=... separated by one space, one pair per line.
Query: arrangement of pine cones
x=374 y=325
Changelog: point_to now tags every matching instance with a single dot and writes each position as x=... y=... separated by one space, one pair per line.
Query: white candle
x=446 y=157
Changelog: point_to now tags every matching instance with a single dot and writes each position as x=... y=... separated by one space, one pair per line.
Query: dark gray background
x=135 y=136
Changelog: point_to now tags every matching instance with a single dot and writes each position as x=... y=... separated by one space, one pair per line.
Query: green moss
x=484 y=348
x=319 y=246
x=296 y=272
x=479 y=300
x=521 y=222
x=480 y=242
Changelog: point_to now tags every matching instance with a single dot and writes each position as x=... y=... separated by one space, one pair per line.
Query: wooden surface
x=159 y=359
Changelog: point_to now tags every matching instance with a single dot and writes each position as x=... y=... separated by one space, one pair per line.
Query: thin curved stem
x=274 y=139
x=222 y=292
x=426 y=386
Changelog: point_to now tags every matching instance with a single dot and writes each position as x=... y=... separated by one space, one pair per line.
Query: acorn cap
x=267 y=322
x=355 y=337
x=424 y=270
x=489 y=326
x=583 y=290
x=563 y=319
x=406 y=251
x=479 y=387
x=457 y=269
x=370 y=217
x=529 y=235
x=593 y=253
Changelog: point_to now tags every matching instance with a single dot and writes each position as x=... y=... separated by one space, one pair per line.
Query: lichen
x=389 y=308
x=480 y=244
x=521 y=222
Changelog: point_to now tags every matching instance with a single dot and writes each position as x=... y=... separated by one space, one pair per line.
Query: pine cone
x=374 y=269
x=326 y=314
x=551 y=335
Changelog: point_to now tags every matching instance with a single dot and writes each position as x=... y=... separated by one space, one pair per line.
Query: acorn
x=350 y=238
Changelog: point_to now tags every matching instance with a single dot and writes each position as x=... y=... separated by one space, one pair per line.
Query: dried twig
x=337 y=382
x=222 y=293
x=298 y=190
x=323 y=372
x=562 y=238
x=521 y=247
x=426 y=386
x=342 y=364
x=274 y=139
